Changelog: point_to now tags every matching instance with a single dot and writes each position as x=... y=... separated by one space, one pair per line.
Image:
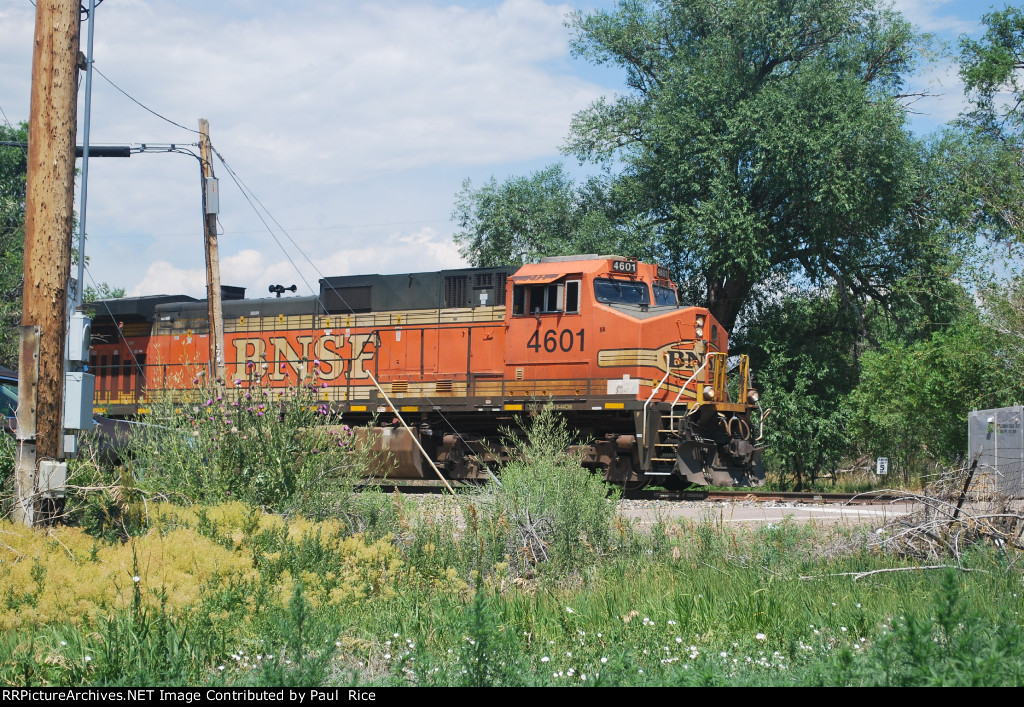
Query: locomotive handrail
x=658 y=387
x=688 y=381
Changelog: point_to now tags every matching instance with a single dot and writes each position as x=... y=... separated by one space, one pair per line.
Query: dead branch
x=860 y=575
x=959 y=509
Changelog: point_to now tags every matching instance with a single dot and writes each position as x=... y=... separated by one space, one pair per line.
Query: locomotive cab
x=610 y=331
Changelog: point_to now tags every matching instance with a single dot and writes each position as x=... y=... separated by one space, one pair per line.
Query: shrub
x=283 y=450
x=549 y=508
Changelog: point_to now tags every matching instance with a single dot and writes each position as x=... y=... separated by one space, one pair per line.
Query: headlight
x=700 y=320
x=699 y=331
x=752 y=396
x=709 y=392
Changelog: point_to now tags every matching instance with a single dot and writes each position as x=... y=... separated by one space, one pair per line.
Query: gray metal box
x=212 y=196
x=53 y=478
x=79 y=338
x=996 y=438
x=78 y=394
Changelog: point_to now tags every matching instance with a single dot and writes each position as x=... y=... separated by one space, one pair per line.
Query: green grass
x=521 y=591
x=689 y=604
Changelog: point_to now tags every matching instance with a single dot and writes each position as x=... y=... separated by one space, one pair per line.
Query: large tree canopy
x=757 y=136
x=990 y=158
x=525 y=218
x=13 y=169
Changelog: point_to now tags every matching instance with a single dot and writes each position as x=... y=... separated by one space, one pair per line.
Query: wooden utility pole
x=49 y=204
x=211 y=199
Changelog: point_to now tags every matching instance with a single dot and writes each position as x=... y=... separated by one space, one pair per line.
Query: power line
x=238 y=183
x=138 y=366
x=140 y=104
x=241 y=185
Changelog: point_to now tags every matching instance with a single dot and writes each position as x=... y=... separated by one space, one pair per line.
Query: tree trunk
x=726 y=296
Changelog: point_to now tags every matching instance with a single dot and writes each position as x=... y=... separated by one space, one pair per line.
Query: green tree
x=525 y=218
x=911 y=402
x=991 y=134
x=994 y=65
x=101 y=291
x=13 y=173
x=806 y=350
x=758 y=136
x=13 y=168
x=803 y=353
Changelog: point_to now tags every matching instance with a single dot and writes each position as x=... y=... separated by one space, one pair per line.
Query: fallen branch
x=861 y=575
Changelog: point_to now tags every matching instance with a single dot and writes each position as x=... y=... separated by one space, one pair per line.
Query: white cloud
x=344 y=92
x=938 y=16
x=162 y=278
x=422 y=250
x=335 y=114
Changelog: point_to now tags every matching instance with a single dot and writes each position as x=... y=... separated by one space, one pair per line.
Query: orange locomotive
x=647 y=384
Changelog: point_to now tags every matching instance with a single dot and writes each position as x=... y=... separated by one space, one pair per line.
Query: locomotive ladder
x=667 y=442
x=664 y=458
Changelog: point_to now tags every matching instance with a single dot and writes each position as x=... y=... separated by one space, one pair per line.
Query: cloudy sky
x=353 y=123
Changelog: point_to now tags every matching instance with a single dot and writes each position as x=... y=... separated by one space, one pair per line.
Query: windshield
x=8 y=398
x=665 y=295
x=624 y=291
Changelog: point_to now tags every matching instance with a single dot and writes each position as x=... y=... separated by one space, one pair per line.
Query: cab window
x=572 y=297
x=545 y=299
x=621 y=292
x=553 y=298
x=665 y=296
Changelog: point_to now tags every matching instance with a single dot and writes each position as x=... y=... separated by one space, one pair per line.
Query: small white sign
x=624 y=386
x=882 y=466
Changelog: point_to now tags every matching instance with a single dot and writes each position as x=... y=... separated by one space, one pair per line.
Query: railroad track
x=710 y=495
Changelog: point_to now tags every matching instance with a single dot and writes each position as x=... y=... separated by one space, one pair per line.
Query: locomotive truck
x=647 y=384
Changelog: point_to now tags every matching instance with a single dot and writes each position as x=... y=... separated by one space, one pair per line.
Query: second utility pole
x=211 y=206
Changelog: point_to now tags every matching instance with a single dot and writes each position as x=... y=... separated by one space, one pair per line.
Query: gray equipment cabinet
x=996 y=438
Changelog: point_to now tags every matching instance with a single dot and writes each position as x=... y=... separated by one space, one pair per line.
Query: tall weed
x=549 y=509
x=283 y=450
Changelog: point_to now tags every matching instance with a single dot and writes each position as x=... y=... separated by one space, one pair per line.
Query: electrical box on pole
x=212 y=196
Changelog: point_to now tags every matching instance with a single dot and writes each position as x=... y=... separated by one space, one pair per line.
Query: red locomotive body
x=460 y=353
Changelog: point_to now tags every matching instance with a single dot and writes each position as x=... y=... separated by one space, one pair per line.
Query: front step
x=667 y=442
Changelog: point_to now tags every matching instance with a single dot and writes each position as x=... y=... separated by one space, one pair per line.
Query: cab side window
x=572 y=297
x=552 y=298
x=546 y=299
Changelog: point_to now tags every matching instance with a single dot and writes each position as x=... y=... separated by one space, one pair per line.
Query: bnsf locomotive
x=647 y=384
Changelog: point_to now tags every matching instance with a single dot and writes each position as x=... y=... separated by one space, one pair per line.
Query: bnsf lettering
x=564 y=340
x=683 y=359
x=281 y=358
